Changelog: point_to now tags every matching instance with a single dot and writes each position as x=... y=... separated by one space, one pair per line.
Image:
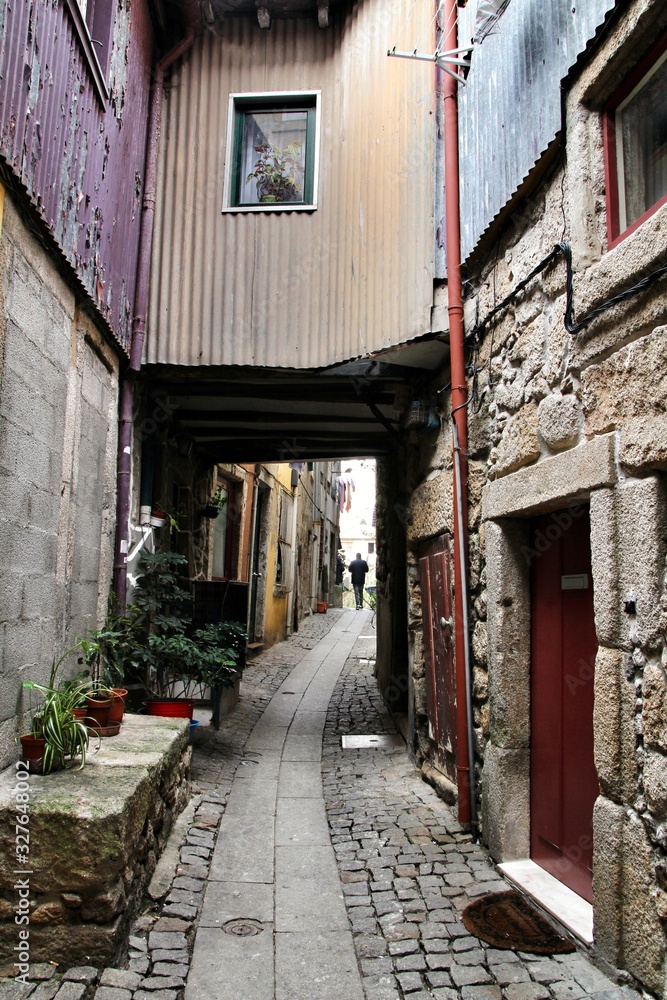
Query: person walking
x=358 y=569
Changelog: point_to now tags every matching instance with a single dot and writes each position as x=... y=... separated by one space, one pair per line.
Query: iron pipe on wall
x=464 y=747
x=140 y=306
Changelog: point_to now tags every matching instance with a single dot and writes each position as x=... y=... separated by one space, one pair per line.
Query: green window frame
x=287 y=172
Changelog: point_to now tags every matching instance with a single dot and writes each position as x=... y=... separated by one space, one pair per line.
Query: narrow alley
x=337 y=873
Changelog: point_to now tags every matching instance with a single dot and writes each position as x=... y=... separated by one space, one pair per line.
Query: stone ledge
x=553 y=482
x=95 y=836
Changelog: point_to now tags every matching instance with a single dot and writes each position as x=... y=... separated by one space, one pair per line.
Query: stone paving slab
x=316 y=965
x=301 y=822
x=235 y=900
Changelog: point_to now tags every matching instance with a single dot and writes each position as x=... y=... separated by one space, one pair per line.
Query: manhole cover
x=243 y=927
x=366 y=742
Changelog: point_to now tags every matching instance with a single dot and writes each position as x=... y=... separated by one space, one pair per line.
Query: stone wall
x=392 y=519
x=95 y=837
x=58 y=434
x=562 y=419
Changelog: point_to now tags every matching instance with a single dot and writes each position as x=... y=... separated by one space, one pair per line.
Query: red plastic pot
x=118 y=707
x=173 y=708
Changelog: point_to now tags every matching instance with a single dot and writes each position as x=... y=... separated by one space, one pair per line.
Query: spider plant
x=54 y=720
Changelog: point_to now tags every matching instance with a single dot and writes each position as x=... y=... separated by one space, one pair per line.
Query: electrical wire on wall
x=562 y=249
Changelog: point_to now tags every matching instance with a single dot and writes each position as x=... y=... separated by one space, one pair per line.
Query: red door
x=564 y=782
x=437 y=620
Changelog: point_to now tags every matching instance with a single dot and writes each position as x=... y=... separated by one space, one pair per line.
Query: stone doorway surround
x=628 y=549
x=558 y=484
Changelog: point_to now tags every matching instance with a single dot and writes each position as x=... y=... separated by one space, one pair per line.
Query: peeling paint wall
x=79 y=158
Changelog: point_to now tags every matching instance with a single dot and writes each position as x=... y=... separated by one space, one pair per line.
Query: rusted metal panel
x=80 y=159
x=298 y=289
x=510 y=109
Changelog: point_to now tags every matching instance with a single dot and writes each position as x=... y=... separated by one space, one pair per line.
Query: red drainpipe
x=124 y=472
x=459 y=412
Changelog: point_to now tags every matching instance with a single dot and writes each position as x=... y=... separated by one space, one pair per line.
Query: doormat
x=507 y=920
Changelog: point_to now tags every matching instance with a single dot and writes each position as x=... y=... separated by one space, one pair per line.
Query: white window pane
x=642 y=131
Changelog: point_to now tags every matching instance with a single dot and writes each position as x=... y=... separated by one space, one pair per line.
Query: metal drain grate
x=370 y=742
x=243 y=927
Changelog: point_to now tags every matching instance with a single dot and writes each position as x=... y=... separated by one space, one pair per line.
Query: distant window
x=636 y=145
x=94 y=22
x=371 y=548
x=284 y=549
x=272 y=142
x=99 y=18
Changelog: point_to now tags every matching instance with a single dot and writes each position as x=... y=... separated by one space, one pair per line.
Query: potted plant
x=177 y=659
x=215 y=503
x=278 y=173
x=106 y=652
x=160 y=621
x=161 y=515
x=98 y=706
x=57 y=736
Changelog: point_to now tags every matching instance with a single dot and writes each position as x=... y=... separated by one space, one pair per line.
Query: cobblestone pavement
x=406 y=866
x=408 y=870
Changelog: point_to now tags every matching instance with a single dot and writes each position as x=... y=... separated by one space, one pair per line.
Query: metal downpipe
x=465 y=763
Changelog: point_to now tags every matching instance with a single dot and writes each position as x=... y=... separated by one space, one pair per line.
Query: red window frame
x=614 y=236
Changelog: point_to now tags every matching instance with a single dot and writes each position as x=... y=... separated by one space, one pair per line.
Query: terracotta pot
x=173 y=708
x=118 y=707
x=32 y=747
x=97 y=712
x=79 y=713
x=321 y=607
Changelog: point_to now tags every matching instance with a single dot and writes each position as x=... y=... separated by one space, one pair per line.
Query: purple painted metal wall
x=80 y=159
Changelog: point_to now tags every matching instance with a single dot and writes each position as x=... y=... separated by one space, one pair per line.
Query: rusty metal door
x=438 y=626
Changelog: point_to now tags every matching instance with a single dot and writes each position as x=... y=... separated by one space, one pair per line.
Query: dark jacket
x=358 y=568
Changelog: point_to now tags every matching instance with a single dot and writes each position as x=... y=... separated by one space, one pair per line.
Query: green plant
x=168 y=652
x=277 y=172
x=54 y=720
x=217 y=499
x=108 y=651
x=166 y=510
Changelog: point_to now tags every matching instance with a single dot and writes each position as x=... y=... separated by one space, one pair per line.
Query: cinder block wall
x=58 y=438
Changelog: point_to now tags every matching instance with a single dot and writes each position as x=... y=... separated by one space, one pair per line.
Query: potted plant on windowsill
x=277 y=173
x=215 y=504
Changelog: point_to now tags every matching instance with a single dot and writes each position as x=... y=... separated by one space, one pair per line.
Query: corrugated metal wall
x=510 y=108
x=81 y=163
x=298 y=289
